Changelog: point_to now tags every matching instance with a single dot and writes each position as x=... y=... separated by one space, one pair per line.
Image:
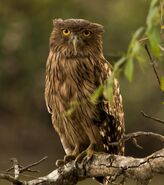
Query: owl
x=75 y=69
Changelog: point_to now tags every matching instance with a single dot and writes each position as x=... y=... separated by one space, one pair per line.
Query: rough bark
x=142 y=170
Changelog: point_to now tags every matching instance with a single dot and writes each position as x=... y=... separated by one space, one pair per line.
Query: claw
x=60 y=163
x=67 y=159
x=88 y=152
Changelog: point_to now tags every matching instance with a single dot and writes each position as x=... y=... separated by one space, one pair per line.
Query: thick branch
x=139 y=169
x=11 y=179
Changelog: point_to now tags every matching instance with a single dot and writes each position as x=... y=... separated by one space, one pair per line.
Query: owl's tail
x=112 y=130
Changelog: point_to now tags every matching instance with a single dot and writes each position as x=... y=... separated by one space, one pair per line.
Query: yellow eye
x=66 y=32
x=86 y=33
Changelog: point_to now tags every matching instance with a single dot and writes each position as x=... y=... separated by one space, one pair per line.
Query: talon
x=88 y=152
x=80 y=157
x=68 y=158
x=60 y=163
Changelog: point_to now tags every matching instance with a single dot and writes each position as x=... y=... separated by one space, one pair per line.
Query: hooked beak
x=74 y=41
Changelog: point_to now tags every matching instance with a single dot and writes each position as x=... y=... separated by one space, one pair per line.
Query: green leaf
x=135 y=50
x=153 y=27
x=134 y=41
x=118 y=64
x=154 y=3
x=137 y=33
x=152 y=19
x=154 y=39
x=95 y=96
x=108 y=88
x=128 y=71
x=162 y=83
x=72 y=108
x=141 y=61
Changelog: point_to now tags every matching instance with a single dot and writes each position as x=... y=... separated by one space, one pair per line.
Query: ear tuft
x=98 y=27
x=57 y=21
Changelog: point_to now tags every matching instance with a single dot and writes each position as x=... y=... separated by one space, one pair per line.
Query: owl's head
x=76 y=37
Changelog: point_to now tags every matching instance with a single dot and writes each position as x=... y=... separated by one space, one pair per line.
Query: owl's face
x=76 y=37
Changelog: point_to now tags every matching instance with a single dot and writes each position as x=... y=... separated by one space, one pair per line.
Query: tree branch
x=152 y=62
x=27 y=168
x=140 y=169
x=152 y=118
x=11 y=179
x=140 y=133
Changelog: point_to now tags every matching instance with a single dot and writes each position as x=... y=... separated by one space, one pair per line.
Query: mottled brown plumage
x=75 y=68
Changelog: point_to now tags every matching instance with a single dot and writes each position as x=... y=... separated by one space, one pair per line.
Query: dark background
x=25 y=126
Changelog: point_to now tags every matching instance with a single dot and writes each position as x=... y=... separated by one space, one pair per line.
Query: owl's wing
x=112 y=127
x=48 y=94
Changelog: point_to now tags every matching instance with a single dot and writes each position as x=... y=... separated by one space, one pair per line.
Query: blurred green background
x=25 y=126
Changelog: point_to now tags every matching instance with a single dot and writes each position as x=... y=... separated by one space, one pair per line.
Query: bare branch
x=133 y=168
x=10 y=179
x=136 y=143
x=150 y=117
x=27 y=168
x=140 y=169
x=139 y=134
x=18 y=169
x=15 y=167
x=134 y=135
x=153 y=66
x=20 y=175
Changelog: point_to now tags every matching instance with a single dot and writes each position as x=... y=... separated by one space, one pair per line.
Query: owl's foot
x=67 y=159
x=60 y=163
x=88 y=152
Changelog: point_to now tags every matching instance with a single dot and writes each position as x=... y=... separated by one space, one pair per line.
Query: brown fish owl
x=75 y=68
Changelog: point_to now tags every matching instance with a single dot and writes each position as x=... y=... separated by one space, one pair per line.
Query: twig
x=134 y=135
x=20 y=175
x=27 y=168
x=9 y=169
x=153 y=66
x=143 y=39
x=150 y=117
x=138 y=134
x=16 y=168
x=21 y=167
x=136 y=143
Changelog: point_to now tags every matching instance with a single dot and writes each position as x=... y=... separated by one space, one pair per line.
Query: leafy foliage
x=162 y=83
x=153 y=27
x=152 y=33
x=98 y=92
x=132 y=53
x=108 y=87
x=72 y=107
